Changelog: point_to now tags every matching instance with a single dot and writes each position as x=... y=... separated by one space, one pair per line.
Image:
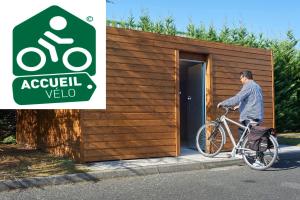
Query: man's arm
x=235 y=100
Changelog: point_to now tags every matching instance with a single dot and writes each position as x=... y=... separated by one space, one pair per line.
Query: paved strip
x=190 y=160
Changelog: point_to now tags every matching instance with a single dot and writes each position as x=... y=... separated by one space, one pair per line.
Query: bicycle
x=57 y=23
x=211 y=138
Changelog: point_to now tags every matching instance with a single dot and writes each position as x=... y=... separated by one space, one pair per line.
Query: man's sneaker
x=257 y=163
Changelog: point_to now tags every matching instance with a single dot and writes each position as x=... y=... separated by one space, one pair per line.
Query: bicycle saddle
x=253 y=121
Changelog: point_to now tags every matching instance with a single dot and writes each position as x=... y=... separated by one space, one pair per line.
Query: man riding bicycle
x=249 y=101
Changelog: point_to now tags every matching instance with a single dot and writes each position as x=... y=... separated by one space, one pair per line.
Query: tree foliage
x=7 y=124
x=286 y=58
x=287 y=82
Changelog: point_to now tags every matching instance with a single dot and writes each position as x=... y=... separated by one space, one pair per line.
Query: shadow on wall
x=27 y=128
x=54 y=131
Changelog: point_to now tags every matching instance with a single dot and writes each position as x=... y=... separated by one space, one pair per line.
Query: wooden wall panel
x=141 y=83
x=54 y=131
x=27 y=128
x=140 y=116
x=141 y=79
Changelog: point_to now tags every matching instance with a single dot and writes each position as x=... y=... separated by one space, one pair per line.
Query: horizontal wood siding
x=140 y=117
x=54 y=131
x=140 y=120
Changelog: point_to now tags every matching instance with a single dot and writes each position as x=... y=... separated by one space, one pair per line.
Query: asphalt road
x=236 y=182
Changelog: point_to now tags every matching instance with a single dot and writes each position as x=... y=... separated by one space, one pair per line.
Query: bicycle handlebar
x=227 y=109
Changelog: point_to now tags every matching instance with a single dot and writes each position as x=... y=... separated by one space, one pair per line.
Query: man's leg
x=241 y=130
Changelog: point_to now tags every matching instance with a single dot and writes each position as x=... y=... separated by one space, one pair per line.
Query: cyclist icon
x=57 y=23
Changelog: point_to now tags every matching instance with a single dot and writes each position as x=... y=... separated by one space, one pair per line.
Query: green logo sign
x=58 y=88
x=54 y=57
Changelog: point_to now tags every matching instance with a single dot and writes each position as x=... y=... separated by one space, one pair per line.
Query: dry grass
x=289 y=139
x=19 y=162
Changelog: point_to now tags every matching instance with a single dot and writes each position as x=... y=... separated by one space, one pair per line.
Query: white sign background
x=14 y=12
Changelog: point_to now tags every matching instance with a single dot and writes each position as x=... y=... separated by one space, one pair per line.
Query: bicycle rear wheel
x=266 y=159
x=210 y=139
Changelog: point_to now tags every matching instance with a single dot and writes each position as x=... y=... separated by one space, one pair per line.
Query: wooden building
x=160 y=89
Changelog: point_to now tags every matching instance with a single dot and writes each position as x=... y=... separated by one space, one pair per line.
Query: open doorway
x=192 y=100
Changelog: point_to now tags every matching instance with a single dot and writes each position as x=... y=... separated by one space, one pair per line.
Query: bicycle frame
x=236 y=146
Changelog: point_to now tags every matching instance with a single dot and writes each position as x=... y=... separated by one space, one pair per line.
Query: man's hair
x=247 y=74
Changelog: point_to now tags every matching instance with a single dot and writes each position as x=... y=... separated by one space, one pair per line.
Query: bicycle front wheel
x=210 y=139
x=261 y=160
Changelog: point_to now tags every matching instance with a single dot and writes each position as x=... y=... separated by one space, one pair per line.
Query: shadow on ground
x=288 y=160
x=16 y=161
